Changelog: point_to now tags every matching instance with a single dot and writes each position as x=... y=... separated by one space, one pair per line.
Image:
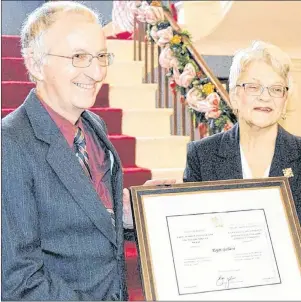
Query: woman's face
x=256 y=107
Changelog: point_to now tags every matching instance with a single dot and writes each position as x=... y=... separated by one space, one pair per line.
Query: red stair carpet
x=15 y=87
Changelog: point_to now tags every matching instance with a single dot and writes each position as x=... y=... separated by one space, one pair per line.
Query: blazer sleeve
x=192 y=172
x=24 y=275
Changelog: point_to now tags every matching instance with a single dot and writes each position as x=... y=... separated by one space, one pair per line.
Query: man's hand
x=159 y=182
x=127 y=212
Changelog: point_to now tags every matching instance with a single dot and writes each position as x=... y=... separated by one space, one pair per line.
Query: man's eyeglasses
x=83 y=60
x=253 y=89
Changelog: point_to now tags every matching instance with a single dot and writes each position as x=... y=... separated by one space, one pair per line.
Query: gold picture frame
x=157 y=208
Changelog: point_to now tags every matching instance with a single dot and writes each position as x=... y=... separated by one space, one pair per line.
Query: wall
x=13 y=13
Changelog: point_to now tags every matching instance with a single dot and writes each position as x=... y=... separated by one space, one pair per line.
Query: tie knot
x=79 y=138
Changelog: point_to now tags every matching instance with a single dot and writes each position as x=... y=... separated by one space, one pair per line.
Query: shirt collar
x=66 y=127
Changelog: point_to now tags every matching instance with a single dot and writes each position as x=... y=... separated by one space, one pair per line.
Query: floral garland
x=210 y=113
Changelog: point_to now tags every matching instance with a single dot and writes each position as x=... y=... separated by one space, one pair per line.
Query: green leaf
x=166 y=9
x=221 y=121
x=185 y=33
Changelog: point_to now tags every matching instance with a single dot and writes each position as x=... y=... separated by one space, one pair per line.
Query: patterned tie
x=81 y=151
x=107 y=184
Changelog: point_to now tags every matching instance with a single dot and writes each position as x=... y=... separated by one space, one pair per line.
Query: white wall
x=13 y=13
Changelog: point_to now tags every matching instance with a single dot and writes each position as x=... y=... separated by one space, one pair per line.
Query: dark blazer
x=58 y=242
x=217 y=157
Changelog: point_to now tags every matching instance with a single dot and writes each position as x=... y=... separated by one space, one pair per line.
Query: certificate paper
x=232 y=240
x=222 y=251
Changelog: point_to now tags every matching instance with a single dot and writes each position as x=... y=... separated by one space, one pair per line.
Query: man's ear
x=33 y=66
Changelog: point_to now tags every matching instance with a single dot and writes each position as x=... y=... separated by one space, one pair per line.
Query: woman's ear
x=233 y=98
x=33 y=66
x=290 y=94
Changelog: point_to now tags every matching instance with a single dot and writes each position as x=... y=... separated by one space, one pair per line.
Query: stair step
x=122 y=73
x=13 y=69
x=139 y=96
x=125 y=73
x=172 y=151
x=14 y=94
x=123 y=50
x=126 y=149
x=135 y=176
x=170 y=173
x=146 y=123
x=130 y=249
x=112 y=118
x=11 y=46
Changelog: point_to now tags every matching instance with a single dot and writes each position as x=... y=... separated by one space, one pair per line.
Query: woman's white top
x=246 y=171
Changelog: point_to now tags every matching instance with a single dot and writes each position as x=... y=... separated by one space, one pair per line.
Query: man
x=62 y=195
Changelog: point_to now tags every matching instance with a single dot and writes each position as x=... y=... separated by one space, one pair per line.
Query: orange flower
x=228 y=126
x=156 y=3
x=176 y=39
x=199 y=74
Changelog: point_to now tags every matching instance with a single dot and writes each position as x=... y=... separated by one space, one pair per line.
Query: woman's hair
x=260 y=51
x=41 y=19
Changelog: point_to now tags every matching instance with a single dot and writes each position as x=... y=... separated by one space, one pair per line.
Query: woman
x=257 y=146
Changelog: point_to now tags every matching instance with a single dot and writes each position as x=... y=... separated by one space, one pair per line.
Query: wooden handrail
x=200 y=61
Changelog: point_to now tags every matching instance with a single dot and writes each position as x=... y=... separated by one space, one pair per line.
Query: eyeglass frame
x=286 y=88
x=88 y=54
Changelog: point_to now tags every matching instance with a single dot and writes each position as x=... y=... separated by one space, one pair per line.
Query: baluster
x=175 y=115
x=160 y=102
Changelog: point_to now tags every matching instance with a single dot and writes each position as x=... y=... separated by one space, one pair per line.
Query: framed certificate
x=224 y=240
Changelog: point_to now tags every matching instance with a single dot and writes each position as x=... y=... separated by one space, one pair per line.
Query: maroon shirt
x=95 y=153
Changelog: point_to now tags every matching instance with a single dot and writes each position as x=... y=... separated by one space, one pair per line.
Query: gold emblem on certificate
x=217 y=221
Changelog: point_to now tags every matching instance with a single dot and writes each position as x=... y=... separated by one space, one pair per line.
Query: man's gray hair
x=37 y=23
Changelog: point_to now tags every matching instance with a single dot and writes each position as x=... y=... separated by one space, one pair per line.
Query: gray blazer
x=217 y=157
x=58 y=242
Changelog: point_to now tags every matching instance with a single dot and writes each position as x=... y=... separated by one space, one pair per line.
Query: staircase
x=139 y=131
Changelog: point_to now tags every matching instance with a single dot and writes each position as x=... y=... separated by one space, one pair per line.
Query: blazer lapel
x=65 y=164
x=228 y=161
x=286 y=153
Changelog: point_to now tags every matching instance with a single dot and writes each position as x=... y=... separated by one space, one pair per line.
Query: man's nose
x=96 y=70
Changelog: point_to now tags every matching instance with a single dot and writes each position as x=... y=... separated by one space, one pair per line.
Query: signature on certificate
x=224 y=281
